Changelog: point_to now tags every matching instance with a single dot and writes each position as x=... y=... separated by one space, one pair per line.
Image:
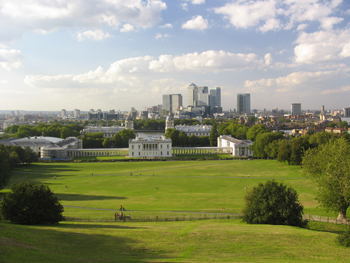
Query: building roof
x=234 y=140
x=193 y=85
x=150 y=139
x=194 y=128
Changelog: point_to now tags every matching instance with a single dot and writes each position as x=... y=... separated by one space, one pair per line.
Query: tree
x=330 y=166
x=273 y=203
x=107 y=143
x=284 y=152
x=5 y=168
x=30 y=156
x=262 y=140
x=255 y=130
x=192 y=140
x=174 y=136
x=183 y=138
x=30 y=204
x=298 y=146
x=214 y=134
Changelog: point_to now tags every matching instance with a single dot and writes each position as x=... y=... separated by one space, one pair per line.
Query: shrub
x=31 y=204
x=344 y=239
x=273 y=203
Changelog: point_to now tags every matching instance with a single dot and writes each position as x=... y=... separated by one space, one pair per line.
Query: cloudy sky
x=118 y=54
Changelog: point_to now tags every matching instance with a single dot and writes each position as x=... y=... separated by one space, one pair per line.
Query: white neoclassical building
x=108 y=132
x=239 y=147
x=197 y=130
x=150 y=147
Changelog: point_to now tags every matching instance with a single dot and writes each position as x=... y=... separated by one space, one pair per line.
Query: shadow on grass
x=79 y=197
x=327 y=227
x=74 y=243
x=98 y=226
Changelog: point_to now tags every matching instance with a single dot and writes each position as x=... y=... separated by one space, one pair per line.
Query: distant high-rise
x=243 y=103
x=192 y=95
x=167 y=102
x=203 y=97
x=76 y=114
x=172 y=102
x=346 y=112
x=296 y=109
x=215 y=97
x=63 y=113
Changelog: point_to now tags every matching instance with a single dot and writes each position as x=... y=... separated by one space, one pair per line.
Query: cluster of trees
x=119 y=140
x=11 y=157
x=181 y=139
x=53 y=130
x=292 y=149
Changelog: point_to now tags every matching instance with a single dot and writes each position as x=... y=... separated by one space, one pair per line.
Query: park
x=182 y=211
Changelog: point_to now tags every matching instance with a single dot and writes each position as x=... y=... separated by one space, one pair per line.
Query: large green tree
x=330 y=166
x=273 y=203
x=28 y=203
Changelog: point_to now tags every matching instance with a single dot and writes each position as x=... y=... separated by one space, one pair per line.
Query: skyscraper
x=203 y=97
x=63 y=113
x=215 y=97
x=192 y=95
x=76 y=114
x=172 y=102
x=243 y=103
x=296 y=109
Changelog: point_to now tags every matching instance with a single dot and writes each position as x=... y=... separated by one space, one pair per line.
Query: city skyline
x=118 y=54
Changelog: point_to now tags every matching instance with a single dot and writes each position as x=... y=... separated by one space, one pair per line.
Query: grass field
x=200 y=186
x=194 y=241
x=184 y=189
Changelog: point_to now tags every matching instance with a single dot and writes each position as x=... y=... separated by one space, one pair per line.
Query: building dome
x=169 y=118
x=129 y=118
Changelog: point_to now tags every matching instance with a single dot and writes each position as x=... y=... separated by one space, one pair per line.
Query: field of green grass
x=196 y=186
x=190 y=241
x=180 y=190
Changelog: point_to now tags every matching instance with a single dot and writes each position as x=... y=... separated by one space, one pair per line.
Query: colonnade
x=201 y=150
x=98 y=152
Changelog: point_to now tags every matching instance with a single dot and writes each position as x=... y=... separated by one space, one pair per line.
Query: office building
x=215 y=97
x=296 y=109
x=192 y=95
x=63 y=113
x=243 y=103
x=76 y=114
x=346 y=112
x=172 y=102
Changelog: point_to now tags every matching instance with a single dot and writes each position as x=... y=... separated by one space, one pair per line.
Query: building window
x=139 y=152
x=161 y=153
x=167 y=146
x=132 y=147
x=139 y=146
x=167 y=152
x=161 y=146
x=132 y=153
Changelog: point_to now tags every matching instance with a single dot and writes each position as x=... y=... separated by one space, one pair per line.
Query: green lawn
x=191 y=241
x=166 y=189
x=202 y=186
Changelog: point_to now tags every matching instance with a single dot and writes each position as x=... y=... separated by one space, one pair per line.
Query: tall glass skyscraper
x=243 y=103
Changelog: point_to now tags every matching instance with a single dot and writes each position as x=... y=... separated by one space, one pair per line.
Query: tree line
x=11 y=157
x=54 y=130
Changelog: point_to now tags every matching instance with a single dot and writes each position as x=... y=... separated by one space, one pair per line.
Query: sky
x=118 y=54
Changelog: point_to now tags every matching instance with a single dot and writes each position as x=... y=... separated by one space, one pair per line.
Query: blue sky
x=115 y=54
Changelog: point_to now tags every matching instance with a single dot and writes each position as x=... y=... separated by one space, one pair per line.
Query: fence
x=326 y=219
x=154 y=218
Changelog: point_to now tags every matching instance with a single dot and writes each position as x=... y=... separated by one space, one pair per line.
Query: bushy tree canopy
x=273 y=203
x=329 y=164
x=30 y=204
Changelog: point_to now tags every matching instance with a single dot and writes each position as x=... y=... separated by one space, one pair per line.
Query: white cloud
x=198 y=2
x=244 y=14
x=4 y=81
x=160 y=36
x=294 y=81
x=10 y=59
x=271 y=24
x=46 y=16
x=302 y=27
x=268 y=59
x=133 y=71
x=94 y=35
x=127 y=28
x=184 y=6
x=166 y=26
x=268 y=14
x=336 y=90
x=196 y=23
x=328 y=22
x=322 y=46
